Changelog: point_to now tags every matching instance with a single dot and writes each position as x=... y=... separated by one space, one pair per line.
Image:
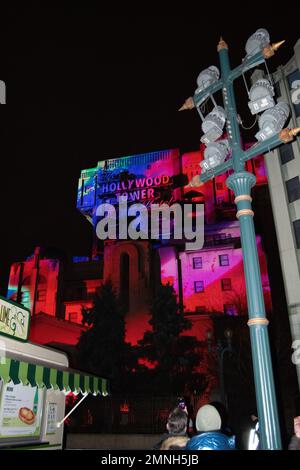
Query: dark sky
x=83 y=87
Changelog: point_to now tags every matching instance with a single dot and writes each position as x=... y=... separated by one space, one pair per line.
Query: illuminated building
x=206 y=281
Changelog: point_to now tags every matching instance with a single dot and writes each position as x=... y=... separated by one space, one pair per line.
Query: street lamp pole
x=241 y=182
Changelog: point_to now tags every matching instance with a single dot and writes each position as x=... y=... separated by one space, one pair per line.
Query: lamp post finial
x=270 y=49
x=222 y=44
x=188 y=104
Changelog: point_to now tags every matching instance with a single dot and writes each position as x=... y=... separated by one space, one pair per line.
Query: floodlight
x=214 y=154
x=207 y=77
x=261 y=95
x=213 y=124
x=272 y=121
x=257 y=42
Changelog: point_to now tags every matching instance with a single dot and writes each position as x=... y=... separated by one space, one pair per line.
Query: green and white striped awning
x=49 y=377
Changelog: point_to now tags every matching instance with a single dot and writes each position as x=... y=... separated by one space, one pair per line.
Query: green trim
x=5 y=370
x=46 y=377
x=81 y=382
x=40 y=376
x=96 y=385
x=104 y=386
x=71 y=381
x=87 y=384
x=33 y=446
x=23 y=373
x=53 y=375
x=59 y=379
x=14 y=371
x=31 y=374
x=66 y=382
x=77 y=383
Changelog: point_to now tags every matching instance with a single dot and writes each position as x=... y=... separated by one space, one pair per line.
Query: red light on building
x=124 y=408
x=206 y=281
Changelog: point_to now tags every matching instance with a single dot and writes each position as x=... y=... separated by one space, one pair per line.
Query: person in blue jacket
x=210 y=437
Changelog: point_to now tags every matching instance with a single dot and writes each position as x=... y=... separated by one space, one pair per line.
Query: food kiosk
x=34 y=382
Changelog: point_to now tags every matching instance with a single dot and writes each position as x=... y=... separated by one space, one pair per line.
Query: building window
x=286 y=153
x=296 y=224
x=201 y=309
x=226 y=284
x=219 y=186
x=73 y=316
x=197 y=263
x=199 y=286
x=291 y=78
x=220 y=238
x=293 y=189
x=41 y=295
x=223 y=260
x=231 y=310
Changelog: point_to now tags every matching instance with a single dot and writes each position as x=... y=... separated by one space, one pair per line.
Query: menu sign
x=52 y=418
x=20 y=411
x=14 y=320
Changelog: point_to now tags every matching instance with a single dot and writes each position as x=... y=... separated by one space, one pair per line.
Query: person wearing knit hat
x=210 y=437
x=208 y=419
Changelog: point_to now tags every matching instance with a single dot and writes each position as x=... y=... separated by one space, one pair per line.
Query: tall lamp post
x=221 y=349
x=241 y=182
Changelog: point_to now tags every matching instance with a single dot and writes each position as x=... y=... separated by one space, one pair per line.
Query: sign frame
x=21 y=307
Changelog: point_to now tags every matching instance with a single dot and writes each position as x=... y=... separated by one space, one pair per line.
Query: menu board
x=21 y=409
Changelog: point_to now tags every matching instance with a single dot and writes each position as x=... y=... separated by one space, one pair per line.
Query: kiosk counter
x=34 y=382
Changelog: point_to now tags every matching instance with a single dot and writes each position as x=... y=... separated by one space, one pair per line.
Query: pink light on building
x=206 y=281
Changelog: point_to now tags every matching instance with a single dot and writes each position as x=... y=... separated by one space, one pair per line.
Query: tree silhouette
x=102 y=348
x=175 y=357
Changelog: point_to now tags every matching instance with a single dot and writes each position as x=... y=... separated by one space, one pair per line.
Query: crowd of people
x=209 y=431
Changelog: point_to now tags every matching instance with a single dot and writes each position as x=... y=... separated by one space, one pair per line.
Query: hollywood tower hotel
x=209 y=280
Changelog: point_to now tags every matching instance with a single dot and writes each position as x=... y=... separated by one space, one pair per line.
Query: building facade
x=283 y=169
x=208 y=281
x=55 y=291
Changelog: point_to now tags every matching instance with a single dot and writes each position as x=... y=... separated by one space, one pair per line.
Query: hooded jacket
x=212 y=440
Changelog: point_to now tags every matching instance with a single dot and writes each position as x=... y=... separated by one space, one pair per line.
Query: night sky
x=83 y=87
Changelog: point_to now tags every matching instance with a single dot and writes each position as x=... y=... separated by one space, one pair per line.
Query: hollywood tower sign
x=143 y=178
x=137 y=189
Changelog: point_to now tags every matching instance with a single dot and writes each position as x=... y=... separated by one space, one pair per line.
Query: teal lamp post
x=241 y=182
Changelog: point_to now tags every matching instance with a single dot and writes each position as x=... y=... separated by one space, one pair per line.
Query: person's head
x=208 y=419
x=182 y=404
x=177 y=422
x=174 y=443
